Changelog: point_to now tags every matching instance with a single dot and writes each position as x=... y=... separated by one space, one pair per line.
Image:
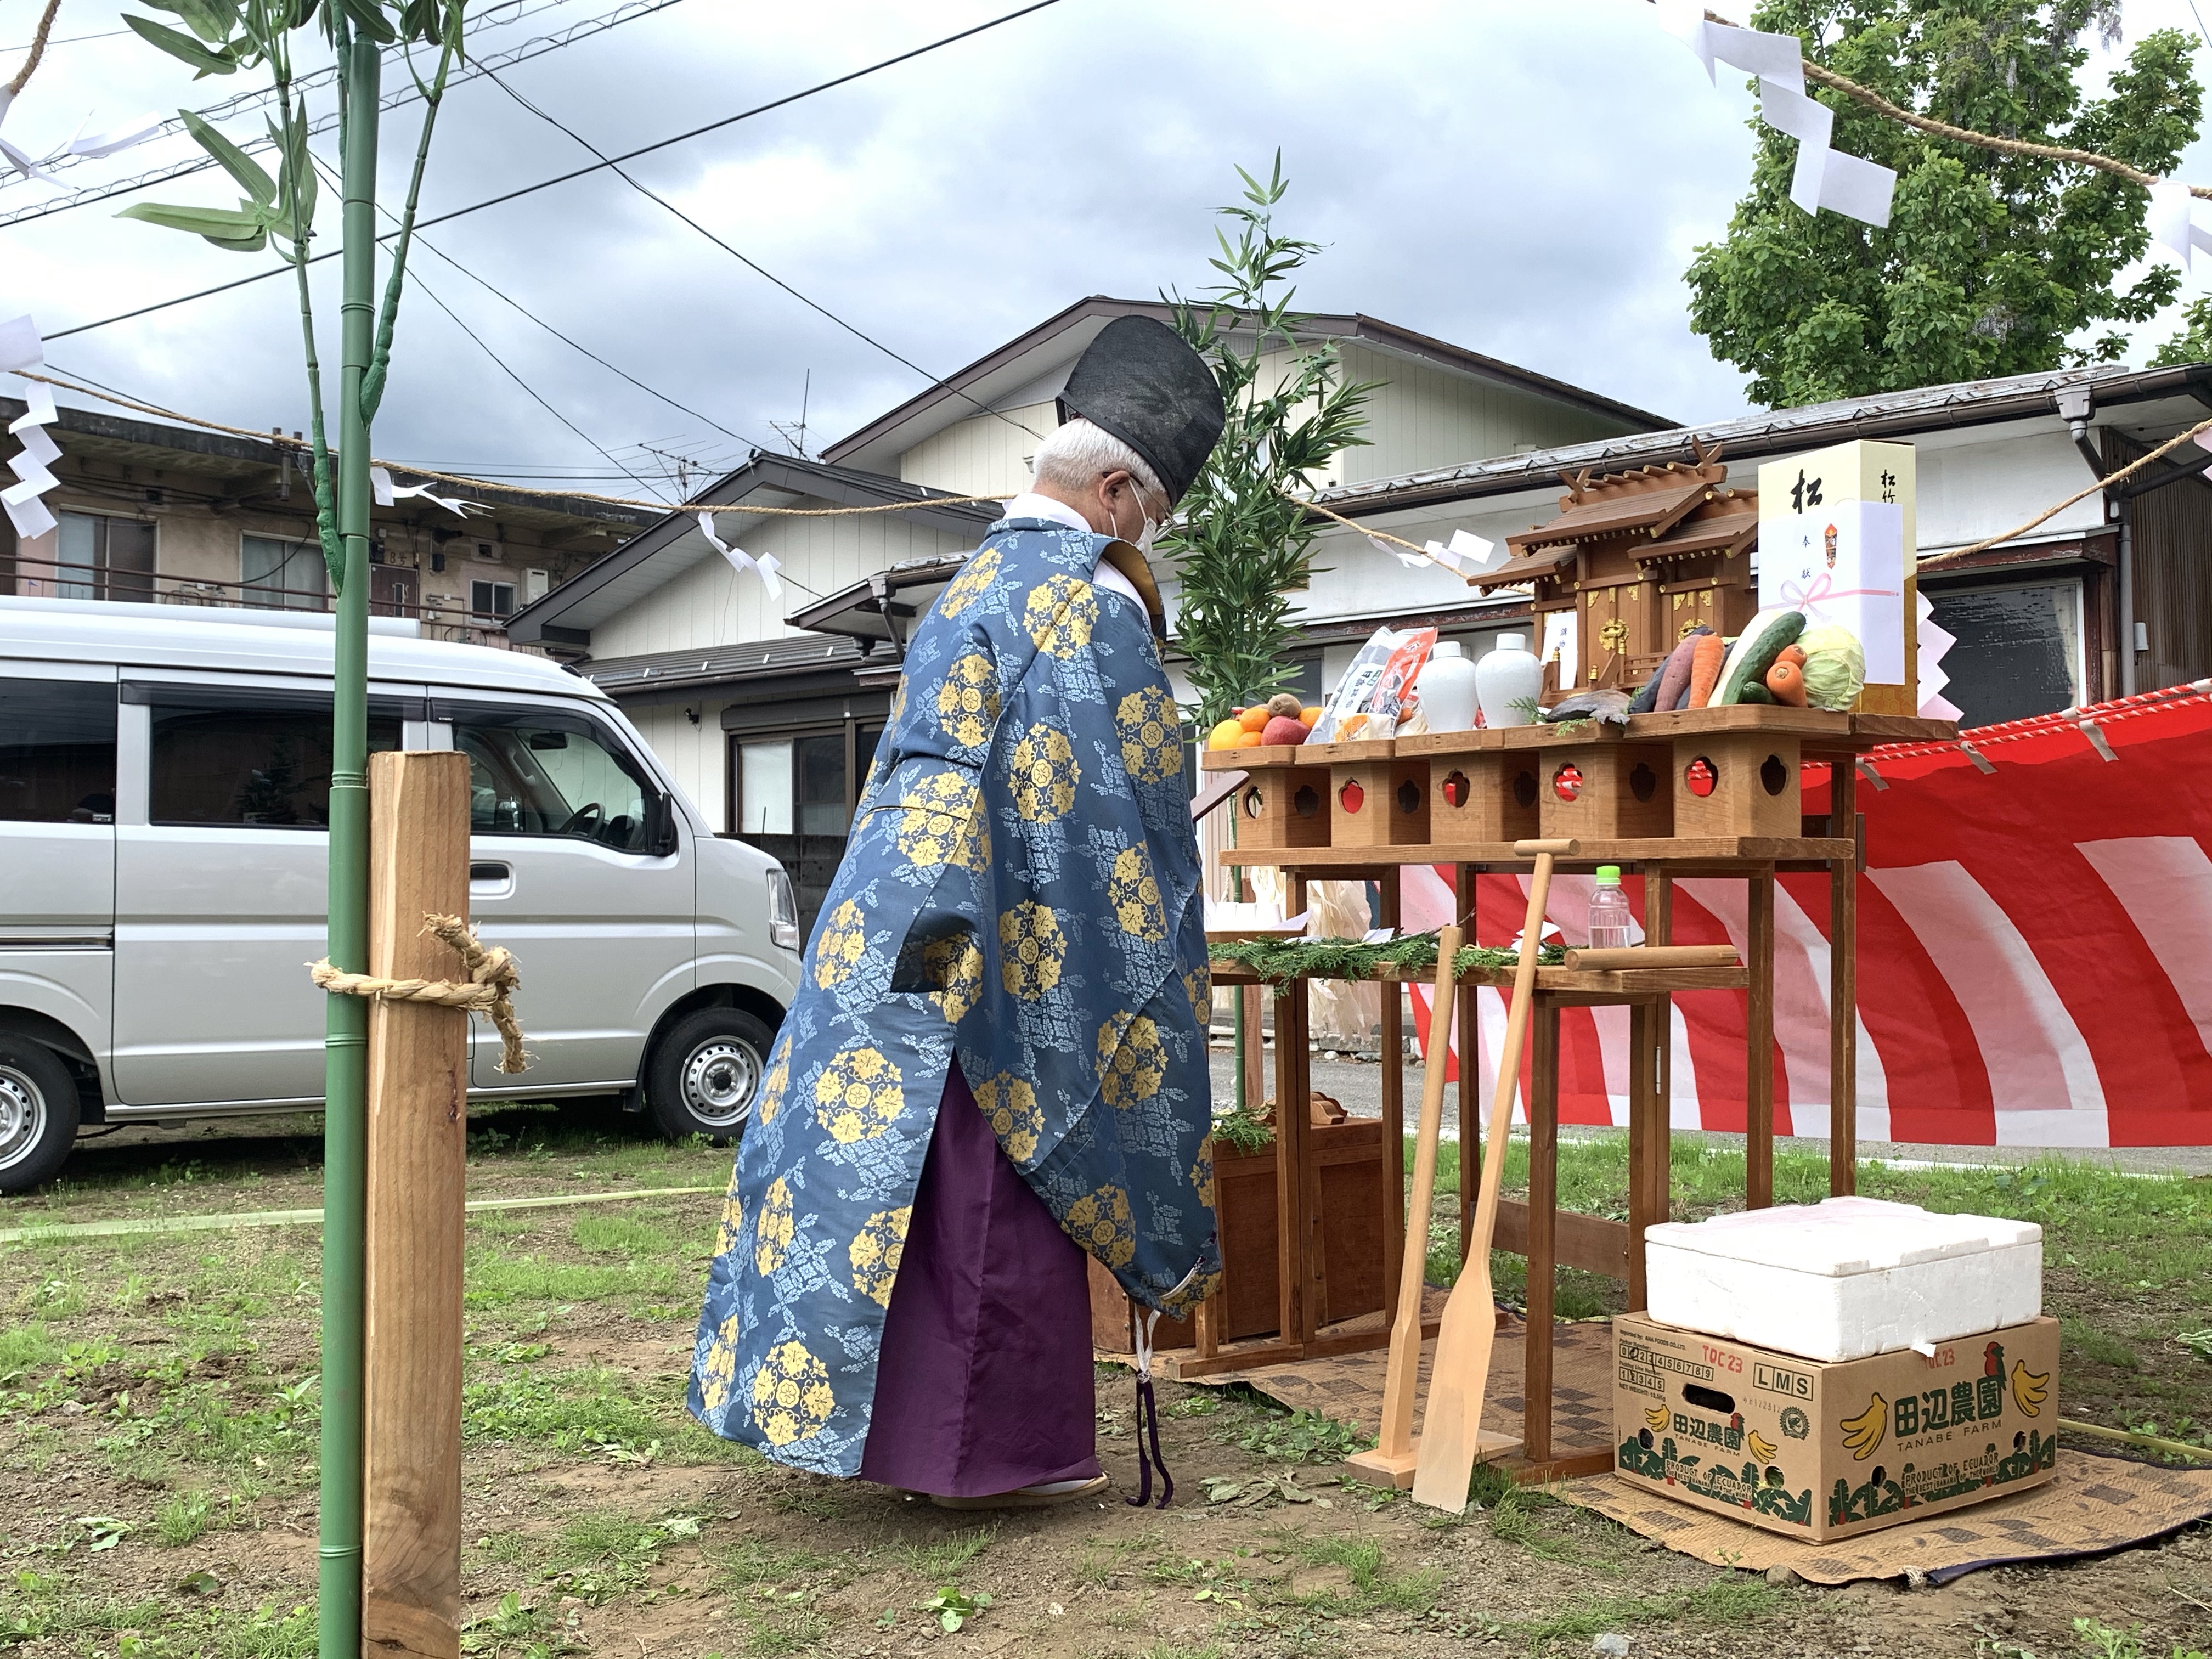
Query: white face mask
x=1142 y=541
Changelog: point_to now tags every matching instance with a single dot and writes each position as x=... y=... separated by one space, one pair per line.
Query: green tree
x=1991 y=264
x=1242 y=547
x=2194 y=343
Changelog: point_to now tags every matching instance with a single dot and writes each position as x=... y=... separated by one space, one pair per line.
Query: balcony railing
x=32 y=578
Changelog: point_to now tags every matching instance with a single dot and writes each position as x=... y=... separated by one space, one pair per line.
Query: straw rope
x=38 y=49
x=1874 y=100
x=277 y=441
x=492 y=976
x=2105 y=482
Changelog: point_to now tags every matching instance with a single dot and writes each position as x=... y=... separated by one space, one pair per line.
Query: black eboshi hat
x=1142 y=382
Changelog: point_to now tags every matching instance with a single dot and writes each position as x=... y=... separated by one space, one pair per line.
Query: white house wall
x=983 y=455
x=696 y=754
x=1425 y=417
x=711 y=605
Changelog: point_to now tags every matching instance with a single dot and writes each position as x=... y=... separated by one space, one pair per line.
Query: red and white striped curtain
x=2035 y=947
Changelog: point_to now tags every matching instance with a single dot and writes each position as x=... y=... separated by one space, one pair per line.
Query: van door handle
x=490 y=872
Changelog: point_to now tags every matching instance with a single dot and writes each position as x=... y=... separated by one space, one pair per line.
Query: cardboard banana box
x=1820 y=1450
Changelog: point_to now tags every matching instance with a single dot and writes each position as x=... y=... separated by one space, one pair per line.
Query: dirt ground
x=158 y=1439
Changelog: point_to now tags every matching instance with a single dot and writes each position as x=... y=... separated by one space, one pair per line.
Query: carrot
x=1787 y=681
x=1791 y=653
x=1705 y=668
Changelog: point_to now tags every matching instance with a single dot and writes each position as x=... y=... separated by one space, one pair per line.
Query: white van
x=164 y=782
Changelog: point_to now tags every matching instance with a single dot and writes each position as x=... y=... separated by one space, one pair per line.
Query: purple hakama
x=985 y=1380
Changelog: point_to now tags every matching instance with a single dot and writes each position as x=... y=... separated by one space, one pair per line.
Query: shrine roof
x=1527 y=566
x=1602 y=513
x=1730 y=532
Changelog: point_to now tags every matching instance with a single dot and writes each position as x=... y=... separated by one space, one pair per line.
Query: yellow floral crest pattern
x=967 y=587
x=874 y=1253
x=955 y=966
x=968 y=700
x=1044 y=773
x=1031 y=950
x=1060 y=615
x=1016 y=1118
x=857 y=1096
x=772 y=1239
x=719 y=1373
x=776 y=1084
x=942 y=822
x=1151 y=743
x=733 y=1223
x=1198 y=985
x=1132 y=1063
x=1201 y=1172
x=792 y=1397
x=843 y=942
x=1100 y=1223
x=1134 y=892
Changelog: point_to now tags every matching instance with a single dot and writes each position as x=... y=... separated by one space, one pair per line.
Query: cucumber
x=1754 y=653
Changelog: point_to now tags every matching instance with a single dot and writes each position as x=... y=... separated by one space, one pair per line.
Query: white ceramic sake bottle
x=1509 y=675
x=1447 y=688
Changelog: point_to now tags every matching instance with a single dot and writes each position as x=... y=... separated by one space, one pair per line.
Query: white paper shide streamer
x=1826 y=177
x=21 y=348
x=766 y=565
x=89 y=146
x=1465 y=555
x=388 y=494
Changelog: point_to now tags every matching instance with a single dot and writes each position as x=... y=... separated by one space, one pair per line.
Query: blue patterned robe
x=1021 y=890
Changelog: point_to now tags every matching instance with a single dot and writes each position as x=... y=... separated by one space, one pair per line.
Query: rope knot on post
x=492 y=978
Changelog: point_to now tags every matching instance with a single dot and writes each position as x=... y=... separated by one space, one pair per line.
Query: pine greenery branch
x=1244 y=551
x=1276 y=961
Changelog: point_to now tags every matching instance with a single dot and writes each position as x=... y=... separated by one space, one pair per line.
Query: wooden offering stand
x=1729 y=781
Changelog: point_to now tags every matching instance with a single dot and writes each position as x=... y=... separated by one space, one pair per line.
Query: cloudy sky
x=1526 y=180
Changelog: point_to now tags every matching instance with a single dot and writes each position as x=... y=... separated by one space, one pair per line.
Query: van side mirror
x=660 y=825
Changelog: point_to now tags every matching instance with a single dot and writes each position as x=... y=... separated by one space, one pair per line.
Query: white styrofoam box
x=1843 y=1279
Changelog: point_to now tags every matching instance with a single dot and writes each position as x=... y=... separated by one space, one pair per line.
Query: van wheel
x=38 y=1114
x=705 y=1073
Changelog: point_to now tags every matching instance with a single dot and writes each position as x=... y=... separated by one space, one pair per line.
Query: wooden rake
x=1452 y=1438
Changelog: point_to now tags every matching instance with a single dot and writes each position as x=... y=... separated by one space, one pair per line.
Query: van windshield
x=550 y=776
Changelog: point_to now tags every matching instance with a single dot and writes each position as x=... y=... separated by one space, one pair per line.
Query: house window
x=2019 y=650
x=100 y=557
x=793 y=796
x=282 y=576
x=491 y=599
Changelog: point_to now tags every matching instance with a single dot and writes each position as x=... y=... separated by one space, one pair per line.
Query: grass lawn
x=159 y=1414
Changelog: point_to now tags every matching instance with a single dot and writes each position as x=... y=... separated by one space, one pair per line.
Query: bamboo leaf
x=242 y=229
x=212 y=24
x=182 y=45
x=250 y=178
x=368 y=16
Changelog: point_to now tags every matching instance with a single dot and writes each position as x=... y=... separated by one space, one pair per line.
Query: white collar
x=1030 y=505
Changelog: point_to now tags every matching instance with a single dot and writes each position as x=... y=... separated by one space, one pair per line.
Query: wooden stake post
x=418 y=1076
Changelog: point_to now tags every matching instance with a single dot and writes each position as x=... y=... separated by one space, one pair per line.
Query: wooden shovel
x=1451 y=1427
x=1391 y=1462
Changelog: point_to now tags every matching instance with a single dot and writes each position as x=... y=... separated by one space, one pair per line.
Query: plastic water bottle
x=1609 y=920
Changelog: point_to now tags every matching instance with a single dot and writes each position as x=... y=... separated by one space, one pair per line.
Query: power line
x=431 y=295
x=746 y=260
x=578 y=172
x=260 y=98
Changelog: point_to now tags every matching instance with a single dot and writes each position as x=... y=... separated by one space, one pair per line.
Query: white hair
x=1077 y=454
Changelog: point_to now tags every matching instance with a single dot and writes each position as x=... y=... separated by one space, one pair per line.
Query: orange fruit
x=1254 y=721
x=1310 y=716
x=1245 y=740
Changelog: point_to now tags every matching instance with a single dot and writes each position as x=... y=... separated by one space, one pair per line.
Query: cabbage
x=1835 y=666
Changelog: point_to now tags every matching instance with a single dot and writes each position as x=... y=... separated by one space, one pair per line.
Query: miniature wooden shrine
x=1634 y=561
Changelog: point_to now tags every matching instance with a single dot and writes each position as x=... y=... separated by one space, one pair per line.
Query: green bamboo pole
x=346 y=1045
